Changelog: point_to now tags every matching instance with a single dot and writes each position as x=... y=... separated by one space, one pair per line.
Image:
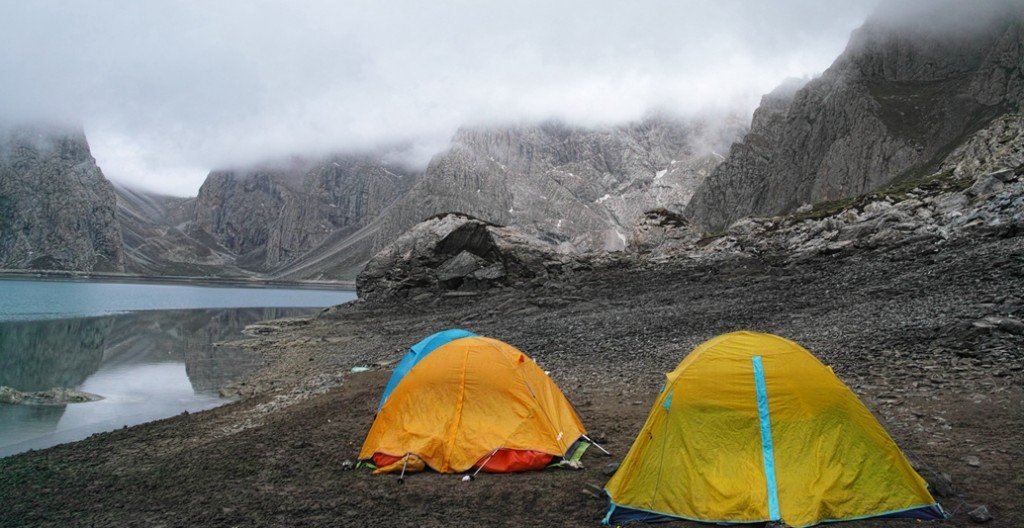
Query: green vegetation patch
x=939 y=182
x=710 y=237
x=827 y=209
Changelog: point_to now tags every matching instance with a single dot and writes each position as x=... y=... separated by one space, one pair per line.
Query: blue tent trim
x=418 y=352
x=768 y=450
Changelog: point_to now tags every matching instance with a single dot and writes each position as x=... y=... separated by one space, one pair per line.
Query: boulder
x=54 y=396
x=454 y=253
x=661 y=229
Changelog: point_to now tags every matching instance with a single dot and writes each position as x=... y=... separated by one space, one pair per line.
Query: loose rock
x=980 y=514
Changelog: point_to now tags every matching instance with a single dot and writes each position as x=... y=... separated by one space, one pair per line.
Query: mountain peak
x=903 y=95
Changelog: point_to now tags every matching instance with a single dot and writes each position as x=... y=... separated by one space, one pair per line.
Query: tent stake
x=401 y=478
x=597 y=445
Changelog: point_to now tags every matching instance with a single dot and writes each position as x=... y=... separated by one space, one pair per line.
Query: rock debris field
x=928 y=333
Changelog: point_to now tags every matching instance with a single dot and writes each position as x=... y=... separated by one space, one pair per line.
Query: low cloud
x=167 y=90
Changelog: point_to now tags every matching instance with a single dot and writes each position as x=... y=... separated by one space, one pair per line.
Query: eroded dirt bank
x=929 y=335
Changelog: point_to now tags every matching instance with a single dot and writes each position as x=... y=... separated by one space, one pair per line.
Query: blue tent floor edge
x=619 y=514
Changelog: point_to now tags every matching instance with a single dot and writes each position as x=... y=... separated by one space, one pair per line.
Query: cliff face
x=159 y=239
x=581 y=189
x=57 y=211
x=239 y=209
x=269 y=217
x=913 y=84
x=335 y=199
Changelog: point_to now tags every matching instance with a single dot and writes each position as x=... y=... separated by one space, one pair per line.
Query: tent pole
x=597 y=445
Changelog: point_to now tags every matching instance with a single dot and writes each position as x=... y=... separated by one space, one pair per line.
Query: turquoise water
x=34 y=300
x=121 y=342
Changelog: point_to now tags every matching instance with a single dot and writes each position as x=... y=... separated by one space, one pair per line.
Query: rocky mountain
x=300 y=219
x=159 y=239
x=576 y=188
x=914 y=83
x=573 y=188
x=57 y=210
x=979 y=193
x=906 y=99
x=273 y=219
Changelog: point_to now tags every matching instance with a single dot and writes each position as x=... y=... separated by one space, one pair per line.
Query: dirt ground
x=927 y=335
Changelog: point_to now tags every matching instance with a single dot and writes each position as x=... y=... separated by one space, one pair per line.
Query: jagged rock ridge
x=577 y=188
x=57 y=211
x=979 y=191
x=901 y=97
x=574 y=188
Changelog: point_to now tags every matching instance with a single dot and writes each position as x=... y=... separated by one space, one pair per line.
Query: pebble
x=593 y=490
x=980 y=514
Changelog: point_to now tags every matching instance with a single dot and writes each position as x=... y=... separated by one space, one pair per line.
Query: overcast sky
x=168 y=90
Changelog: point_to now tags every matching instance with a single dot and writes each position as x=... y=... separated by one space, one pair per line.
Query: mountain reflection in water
x=147 y=365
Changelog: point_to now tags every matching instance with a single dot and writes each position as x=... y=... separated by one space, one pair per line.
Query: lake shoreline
x=147 y=365
x=125 y=278
x=150 y=349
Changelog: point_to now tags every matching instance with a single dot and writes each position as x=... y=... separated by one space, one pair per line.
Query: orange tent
x=474 y=402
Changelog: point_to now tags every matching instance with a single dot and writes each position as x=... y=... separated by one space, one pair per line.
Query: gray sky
x=169 y=89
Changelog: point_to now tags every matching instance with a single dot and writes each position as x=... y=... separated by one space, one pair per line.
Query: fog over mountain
x=168 y=90
x=915 y=83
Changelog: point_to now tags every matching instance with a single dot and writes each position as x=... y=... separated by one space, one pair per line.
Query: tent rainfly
x=473 y=402
x=418 y=352
x=751 y=427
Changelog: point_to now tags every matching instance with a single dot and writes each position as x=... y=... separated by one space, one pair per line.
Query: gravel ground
x=928 y=334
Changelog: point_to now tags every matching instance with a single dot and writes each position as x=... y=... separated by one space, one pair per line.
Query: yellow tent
x=751 y=427
x=473 y=402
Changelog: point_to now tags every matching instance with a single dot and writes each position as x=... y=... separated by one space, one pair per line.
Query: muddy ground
x=928 y=335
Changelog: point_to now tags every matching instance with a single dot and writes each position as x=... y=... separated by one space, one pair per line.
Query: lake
x=148 y=349
x=34 y=300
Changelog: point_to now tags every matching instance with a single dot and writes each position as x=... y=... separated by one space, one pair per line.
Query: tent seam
x=551 y=423
x=458 y=411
